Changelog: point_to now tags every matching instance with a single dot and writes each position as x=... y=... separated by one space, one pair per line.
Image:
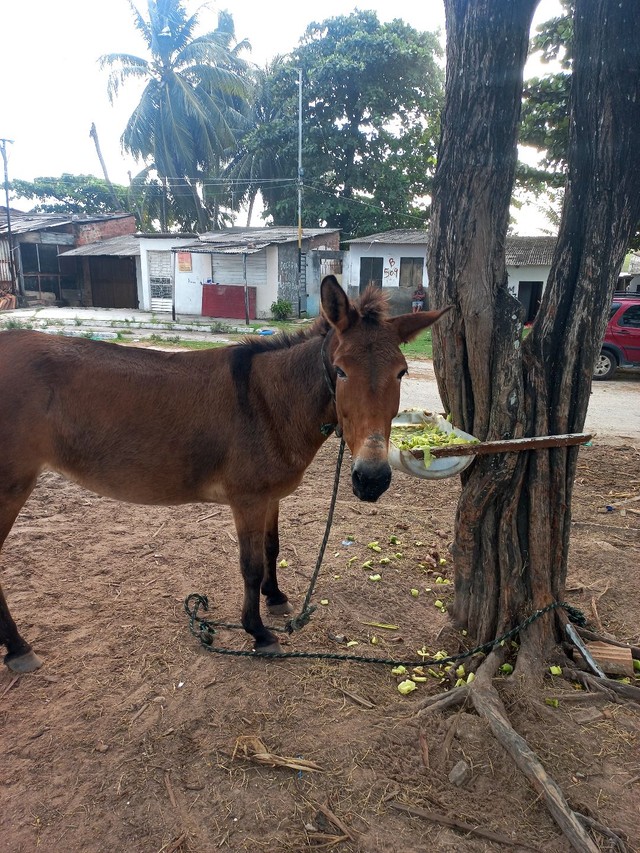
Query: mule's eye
x=340 y=372
x=403 y=372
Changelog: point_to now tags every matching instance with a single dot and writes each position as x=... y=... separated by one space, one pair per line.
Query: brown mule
x=169 y=428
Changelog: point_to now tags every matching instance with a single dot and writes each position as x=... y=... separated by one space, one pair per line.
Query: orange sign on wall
x=184 y=261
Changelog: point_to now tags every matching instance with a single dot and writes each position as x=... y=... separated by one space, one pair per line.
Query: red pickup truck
x=621 y=343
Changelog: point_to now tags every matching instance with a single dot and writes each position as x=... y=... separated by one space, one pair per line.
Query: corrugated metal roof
x=21 y=223
x=215 y=249
x=126 y=246
x=520 y=251
x=259 y=238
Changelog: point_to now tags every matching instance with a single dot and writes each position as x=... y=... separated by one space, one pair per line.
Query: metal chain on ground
x=205 y=632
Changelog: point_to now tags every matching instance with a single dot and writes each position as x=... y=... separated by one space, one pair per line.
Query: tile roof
x=399 y=235
x=520 y=251
x=530 y=251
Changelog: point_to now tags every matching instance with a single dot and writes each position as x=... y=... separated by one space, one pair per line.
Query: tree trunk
x=513 y=518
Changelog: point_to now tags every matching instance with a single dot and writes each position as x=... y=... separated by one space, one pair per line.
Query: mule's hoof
x=27 y=662
x=280 y=609
x=273 y=648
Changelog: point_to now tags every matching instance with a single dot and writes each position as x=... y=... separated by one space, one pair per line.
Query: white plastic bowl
x=438 y=469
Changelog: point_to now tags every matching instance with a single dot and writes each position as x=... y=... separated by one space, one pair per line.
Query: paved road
x=613 y=414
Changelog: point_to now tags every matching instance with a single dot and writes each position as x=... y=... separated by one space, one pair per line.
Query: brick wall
x=93 y=232
x=329 y=241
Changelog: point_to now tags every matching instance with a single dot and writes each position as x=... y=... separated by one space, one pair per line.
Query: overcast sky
x=52 y=89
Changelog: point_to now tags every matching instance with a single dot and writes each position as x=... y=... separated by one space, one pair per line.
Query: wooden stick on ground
x=489 y=706
x=460 y=825
x=604 y=638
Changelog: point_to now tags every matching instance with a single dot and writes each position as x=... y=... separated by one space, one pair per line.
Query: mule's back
x=129 y=423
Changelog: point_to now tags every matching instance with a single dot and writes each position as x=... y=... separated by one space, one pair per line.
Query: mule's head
x=365 y=354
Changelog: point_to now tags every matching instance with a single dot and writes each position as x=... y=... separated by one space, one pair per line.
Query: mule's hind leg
x=277 y=601
x=20 y=657
x=250 y=522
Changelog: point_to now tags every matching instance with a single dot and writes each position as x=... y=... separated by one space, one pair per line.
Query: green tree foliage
x=372 y=94
x=86 y=195
x=265 y=159
x=545 y=110
x=545 y=105
x=72 y=194
x=192 y=106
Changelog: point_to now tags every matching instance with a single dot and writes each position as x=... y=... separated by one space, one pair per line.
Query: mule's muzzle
x=370 y=479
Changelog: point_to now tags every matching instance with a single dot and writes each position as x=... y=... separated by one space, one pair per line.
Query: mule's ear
x=336 y=306
x=409 y=325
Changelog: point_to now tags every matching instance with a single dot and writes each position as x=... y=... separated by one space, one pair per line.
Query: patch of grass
x=419 y=347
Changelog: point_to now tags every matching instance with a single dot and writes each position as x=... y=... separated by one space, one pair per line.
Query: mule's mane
x=372 y=307
x=284 y=340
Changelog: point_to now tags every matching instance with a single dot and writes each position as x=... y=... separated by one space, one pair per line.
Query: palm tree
x=195 y=95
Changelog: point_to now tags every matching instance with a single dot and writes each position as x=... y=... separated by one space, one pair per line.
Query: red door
x=227 y=301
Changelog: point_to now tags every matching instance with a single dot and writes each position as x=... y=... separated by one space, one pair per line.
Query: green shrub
x=281 y=309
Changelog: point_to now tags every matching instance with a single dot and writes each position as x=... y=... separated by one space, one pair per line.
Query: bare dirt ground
x=125 y=739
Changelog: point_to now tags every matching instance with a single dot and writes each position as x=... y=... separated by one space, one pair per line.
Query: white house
x=397 y=260
x=213 y=274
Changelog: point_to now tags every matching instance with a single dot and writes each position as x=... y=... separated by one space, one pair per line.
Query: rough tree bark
x=513 y=518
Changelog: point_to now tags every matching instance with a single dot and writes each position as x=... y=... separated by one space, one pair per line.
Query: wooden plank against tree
x=511 y=445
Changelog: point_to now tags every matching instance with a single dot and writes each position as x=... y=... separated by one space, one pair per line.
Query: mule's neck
x=306 y=385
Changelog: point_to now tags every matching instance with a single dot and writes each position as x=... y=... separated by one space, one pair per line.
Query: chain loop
x=205 y=631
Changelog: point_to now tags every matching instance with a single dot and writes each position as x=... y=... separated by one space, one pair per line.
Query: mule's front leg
x=277 y=601
x=250 y=524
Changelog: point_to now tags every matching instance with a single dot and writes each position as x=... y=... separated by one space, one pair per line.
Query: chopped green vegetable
x=424 y=436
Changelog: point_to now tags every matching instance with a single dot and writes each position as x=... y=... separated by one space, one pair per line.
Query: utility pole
x=12 y=269
x=300 y=175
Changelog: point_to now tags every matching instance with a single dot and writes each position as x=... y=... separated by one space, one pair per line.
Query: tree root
x=611 y=688
x=618 y=843
x=488 y=705
x=445 y=701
